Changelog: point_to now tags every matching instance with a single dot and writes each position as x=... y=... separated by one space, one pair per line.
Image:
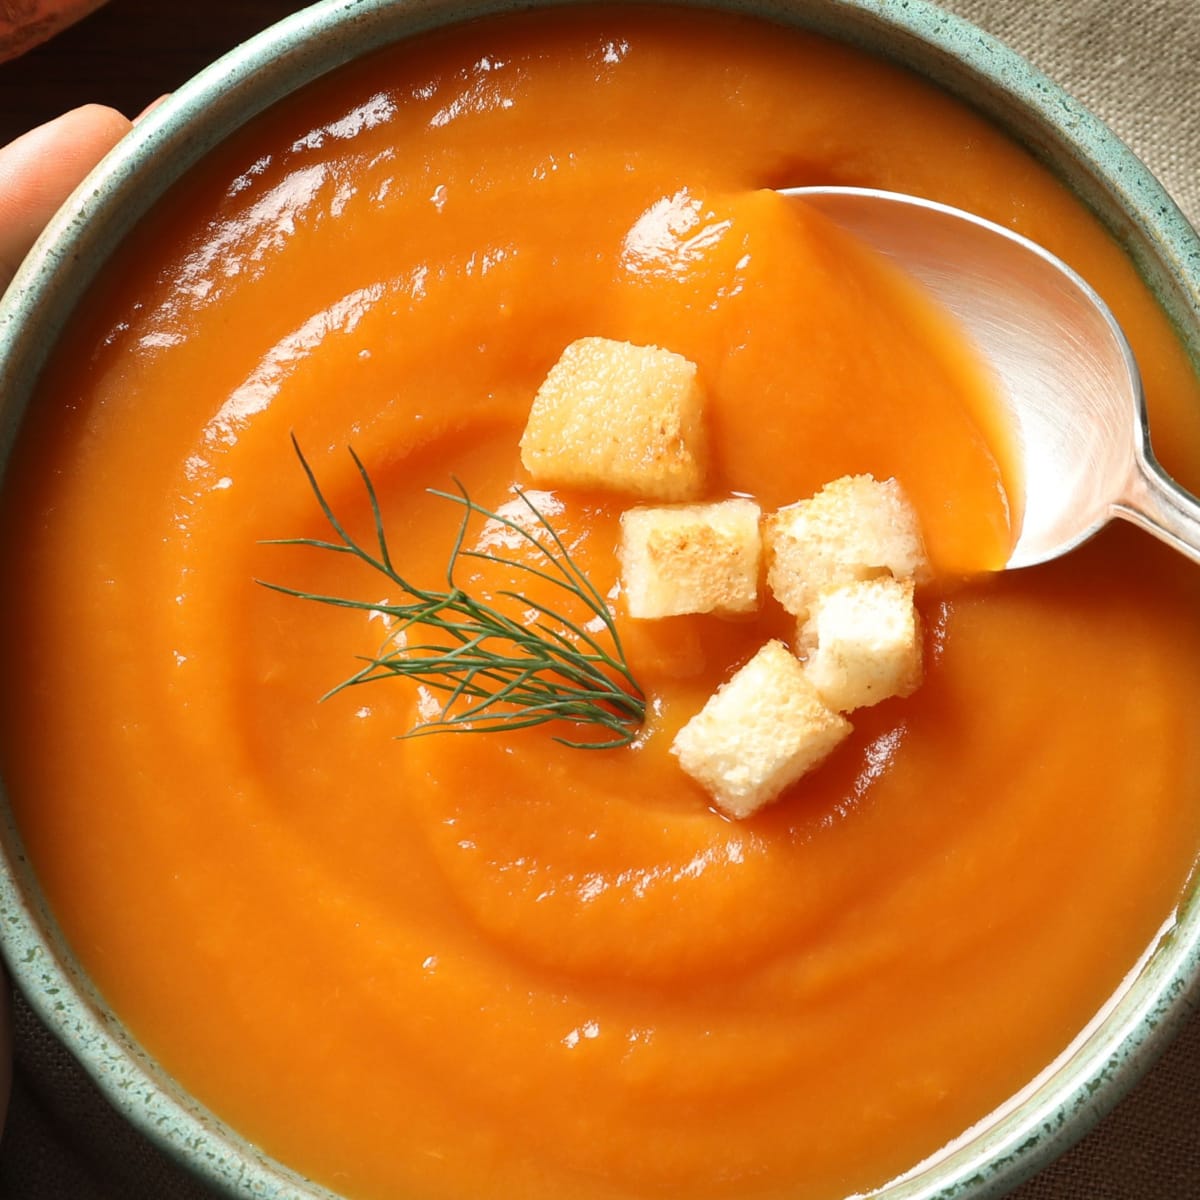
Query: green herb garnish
x=496 y=674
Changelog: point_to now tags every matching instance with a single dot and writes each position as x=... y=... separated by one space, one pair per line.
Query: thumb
x=41 y=168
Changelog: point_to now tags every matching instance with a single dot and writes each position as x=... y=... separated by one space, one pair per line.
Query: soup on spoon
x=1064 y=370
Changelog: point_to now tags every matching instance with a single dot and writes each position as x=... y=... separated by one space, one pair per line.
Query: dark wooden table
x=126 y=55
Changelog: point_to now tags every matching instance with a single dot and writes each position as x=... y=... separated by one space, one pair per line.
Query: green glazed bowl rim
x=1123 y=1040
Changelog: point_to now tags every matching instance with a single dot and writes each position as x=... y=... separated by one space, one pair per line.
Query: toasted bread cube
x=868 y=643
x=619 y=417
x=758 y=733
x=691 y=558
x=854 y=528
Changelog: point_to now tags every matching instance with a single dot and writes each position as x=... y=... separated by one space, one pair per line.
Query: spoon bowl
x=1062 y=367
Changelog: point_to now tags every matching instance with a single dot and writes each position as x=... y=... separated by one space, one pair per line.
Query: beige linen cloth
x=1133 y=62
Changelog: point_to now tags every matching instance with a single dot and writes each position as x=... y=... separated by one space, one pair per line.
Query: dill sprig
x=494 y=673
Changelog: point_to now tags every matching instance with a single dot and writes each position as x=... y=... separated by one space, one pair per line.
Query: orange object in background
x=26 y=23
x=499 y=967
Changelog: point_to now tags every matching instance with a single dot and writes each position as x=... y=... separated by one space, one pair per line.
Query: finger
x=151 y=107
x=41 y=168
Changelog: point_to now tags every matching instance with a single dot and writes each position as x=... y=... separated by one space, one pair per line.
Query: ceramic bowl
x=1091 y=1076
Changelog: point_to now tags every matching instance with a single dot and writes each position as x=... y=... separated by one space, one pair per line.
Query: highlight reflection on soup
x=496 y=966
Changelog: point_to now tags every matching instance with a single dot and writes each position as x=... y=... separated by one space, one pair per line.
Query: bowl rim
x=1106 y=1058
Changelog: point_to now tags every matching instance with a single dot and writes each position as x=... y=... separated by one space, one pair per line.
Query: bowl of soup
x=313 y=957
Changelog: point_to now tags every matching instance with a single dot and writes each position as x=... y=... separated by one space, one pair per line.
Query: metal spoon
x=1063 y=366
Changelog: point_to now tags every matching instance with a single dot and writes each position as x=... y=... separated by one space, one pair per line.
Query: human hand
x=41 y=168
x=38 y=171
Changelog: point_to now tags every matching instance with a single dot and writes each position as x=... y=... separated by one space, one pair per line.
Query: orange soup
x=497 y=966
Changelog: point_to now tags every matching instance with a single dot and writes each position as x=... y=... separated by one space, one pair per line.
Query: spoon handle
x=1156 y=503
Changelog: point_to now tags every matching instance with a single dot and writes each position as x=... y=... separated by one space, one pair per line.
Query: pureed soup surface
x=494 y=966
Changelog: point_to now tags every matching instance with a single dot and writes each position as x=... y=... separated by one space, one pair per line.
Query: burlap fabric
x=1134 y=63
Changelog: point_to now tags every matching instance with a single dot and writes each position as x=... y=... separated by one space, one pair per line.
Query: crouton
x=691 y=558
x=758 y=733
x=868 y=643
x=853 y=528
x=619 y=417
